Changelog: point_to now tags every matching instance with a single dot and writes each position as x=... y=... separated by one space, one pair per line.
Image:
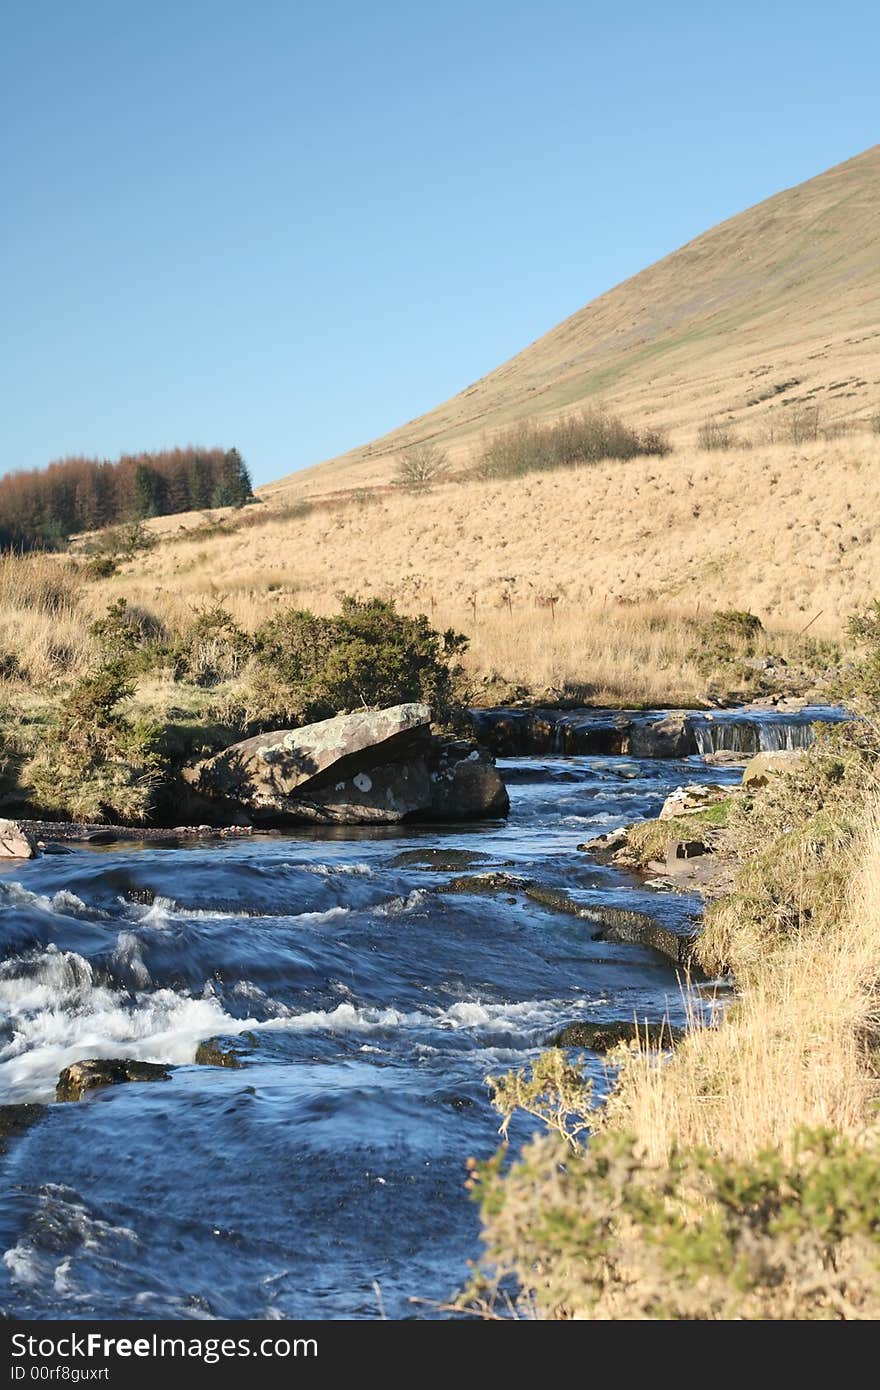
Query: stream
x=325 y=1177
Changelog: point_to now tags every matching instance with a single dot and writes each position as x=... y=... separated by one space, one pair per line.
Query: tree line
x=43 y=507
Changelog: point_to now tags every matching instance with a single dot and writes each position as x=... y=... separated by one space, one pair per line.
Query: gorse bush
x=579 y=439
x=126 y=632
x=368 y=654
x=606 y=1233
x=725 y=642
x=96 y=763
x=859 y=686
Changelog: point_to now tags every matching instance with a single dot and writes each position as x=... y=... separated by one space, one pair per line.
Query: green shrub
x=128 y=632
x=122 y=542
x=859 y=686
x=100 y=567
x=366 y=655
x=95 y=763
x=580 y=439
x=604 y=1233
x=725 y=642
x=10 y=667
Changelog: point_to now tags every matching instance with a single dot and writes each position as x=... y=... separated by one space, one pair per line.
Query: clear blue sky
x=291 y=227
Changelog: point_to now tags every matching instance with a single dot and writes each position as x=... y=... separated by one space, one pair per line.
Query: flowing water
x=369 y=1009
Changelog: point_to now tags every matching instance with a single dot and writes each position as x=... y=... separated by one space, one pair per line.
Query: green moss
x=650 y=839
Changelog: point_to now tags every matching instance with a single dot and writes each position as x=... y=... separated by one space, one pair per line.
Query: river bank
x=738 y=1177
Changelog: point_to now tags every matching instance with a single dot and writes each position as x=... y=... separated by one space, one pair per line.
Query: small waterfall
x=727 y=736
x=768 y=734
x=779 y=738
x=511 y=733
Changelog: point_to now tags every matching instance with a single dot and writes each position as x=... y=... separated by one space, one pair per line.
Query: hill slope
x=550 y=572
x=774 y=308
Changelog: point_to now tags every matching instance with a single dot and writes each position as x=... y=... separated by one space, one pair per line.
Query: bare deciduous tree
x=419 y=465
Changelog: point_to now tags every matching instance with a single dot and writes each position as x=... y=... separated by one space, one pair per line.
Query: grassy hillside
x=552 y=574
x=774 y=310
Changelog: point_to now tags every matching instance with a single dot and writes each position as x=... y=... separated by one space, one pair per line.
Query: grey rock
x=16 y=842
x=262 y=774
x=373 y=767
x=664 y=738
x=763 y=766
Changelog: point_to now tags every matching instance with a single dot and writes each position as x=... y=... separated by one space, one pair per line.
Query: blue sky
x=291 y=227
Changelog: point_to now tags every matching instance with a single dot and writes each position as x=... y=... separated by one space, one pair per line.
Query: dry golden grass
x=797 y=1049
x=780 y=530
x=42 y=630
x=583 y=577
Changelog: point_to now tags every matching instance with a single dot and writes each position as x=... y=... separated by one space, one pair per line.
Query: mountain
x=775 y=309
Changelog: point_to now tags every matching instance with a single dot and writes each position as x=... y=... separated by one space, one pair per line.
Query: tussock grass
x=42 y=627
x=798 y=1048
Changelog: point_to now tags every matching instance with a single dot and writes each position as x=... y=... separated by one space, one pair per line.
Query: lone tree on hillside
x=419 y=465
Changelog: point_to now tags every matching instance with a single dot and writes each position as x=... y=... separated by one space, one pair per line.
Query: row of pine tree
x=42 y=508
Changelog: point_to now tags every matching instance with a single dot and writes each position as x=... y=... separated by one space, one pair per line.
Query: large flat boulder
x=263 y=773
x=373 y=767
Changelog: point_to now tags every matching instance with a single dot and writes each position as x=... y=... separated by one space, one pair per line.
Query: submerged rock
x=637 y=929
x=494 y=882
x=379 y=766
x=15 y=1119
x=92 y=1073
x=213 y=1054
x=601 y=1037
x=438 y=860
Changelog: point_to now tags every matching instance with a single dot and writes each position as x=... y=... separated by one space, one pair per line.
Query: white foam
x=58 y=1015
x=64 y=903
x=327 y=870
x=398 y=906
x=162 y=911
x=511 y=1020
